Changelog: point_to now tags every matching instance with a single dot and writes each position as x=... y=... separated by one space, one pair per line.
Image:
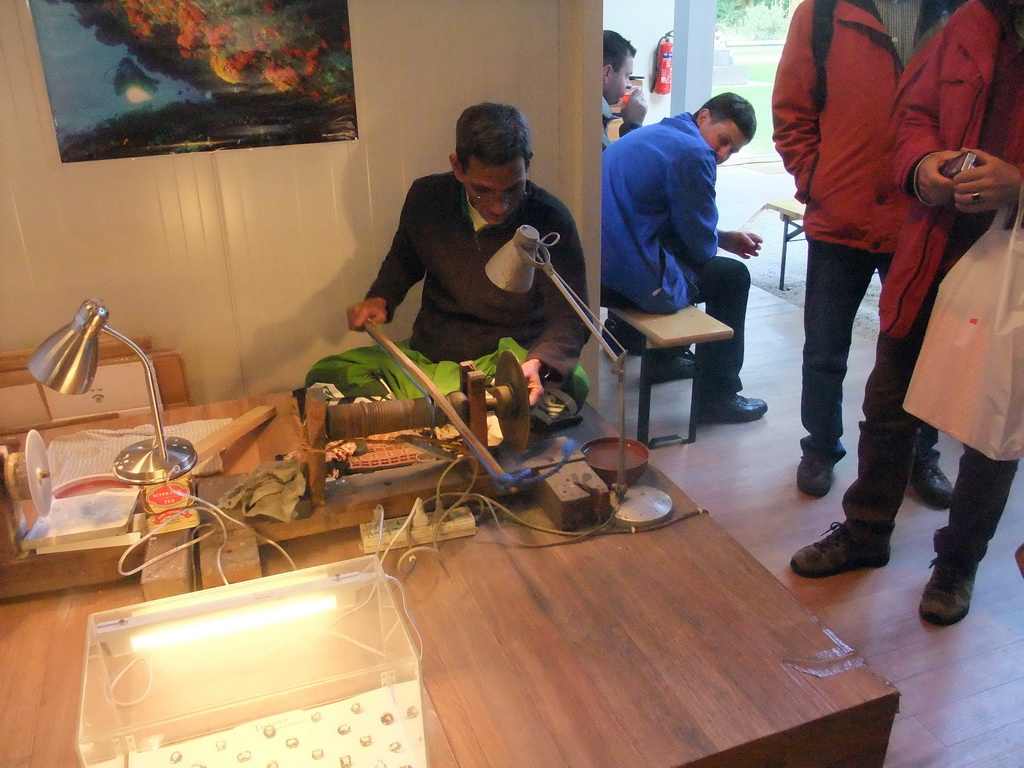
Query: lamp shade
x=512 y=267
x=66 y=361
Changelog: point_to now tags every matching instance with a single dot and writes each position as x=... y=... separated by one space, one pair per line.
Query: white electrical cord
x=218 y=515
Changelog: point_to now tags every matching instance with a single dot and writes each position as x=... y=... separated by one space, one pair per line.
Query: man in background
x=832 y=107
x=660 y=238
x=619 y=54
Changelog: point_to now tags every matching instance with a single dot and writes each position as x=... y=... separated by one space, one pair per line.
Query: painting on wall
x=133 y=78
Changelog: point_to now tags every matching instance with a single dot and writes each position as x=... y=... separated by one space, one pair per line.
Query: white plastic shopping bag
x=969 y=378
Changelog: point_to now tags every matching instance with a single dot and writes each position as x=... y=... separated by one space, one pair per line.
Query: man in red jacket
x=834 y=93
x=968 y=95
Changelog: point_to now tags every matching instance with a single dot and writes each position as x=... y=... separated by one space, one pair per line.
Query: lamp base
x=141 y=463
x=642 y=507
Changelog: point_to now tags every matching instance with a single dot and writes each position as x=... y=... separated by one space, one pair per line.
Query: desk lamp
x=66 y=362
x=511 y=269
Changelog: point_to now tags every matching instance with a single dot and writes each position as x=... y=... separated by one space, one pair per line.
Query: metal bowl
x=602 y=456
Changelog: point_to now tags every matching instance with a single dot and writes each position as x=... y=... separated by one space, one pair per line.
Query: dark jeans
x=885 y=452
x=723 y=284
x=838 y=276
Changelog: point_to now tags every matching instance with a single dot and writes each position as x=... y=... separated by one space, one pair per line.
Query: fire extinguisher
x=663 y=65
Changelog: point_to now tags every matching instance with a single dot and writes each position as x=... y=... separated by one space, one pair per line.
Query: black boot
x=931 y=484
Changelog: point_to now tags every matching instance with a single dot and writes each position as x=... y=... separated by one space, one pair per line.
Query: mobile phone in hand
x=958 y=164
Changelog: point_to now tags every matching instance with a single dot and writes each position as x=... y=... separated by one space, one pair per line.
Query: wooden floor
x=962 y=687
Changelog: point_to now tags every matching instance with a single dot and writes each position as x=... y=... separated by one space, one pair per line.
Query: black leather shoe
x=814 y=476
x=731 y=409
x=931 y=485
x=669 y=364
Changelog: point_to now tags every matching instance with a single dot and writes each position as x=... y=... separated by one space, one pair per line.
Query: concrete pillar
x=694 y=54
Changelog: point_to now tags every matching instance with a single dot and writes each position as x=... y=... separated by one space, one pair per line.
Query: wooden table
x=672 y=647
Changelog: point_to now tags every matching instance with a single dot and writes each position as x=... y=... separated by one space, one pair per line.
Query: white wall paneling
x=246 y=259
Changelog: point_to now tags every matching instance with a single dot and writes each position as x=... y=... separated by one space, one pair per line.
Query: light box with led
x=309 y=668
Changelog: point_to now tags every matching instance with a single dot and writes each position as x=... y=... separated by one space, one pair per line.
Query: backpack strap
x=821 y=41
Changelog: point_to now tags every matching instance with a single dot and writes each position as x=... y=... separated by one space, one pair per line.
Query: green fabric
x=359 y=372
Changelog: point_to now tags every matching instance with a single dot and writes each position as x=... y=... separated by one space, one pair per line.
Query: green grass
x=758 y=91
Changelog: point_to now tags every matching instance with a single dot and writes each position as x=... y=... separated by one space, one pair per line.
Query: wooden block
x=239 y=558
x=169 y=367
x=315 y=425
x=171 y=575
x=229 y=433
x=574 y=497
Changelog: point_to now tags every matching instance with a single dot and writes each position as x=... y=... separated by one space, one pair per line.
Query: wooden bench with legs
x=690 y=325
x=792 y=213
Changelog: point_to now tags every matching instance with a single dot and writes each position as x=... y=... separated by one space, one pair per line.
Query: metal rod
x=152 y=386
x=593 y=322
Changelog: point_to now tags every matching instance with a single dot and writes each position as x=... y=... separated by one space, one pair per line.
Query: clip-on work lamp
x=66 y=362
x=511 y=269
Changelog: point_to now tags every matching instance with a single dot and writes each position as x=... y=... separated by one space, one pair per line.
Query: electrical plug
x=420 y=519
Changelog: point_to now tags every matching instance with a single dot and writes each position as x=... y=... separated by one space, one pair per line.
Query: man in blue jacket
x=660 y=238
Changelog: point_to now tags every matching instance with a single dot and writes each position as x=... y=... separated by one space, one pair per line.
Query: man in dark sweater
x=450 y=226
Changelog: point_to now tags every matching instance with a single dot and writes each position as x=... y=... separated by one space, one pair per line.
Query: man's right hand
x=932 y=187
x=742 y=244
x=635 y=110
x=373 y=308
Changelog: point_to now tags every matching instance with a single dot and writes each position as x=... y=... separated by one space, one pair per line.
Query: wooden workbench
x=672 y=647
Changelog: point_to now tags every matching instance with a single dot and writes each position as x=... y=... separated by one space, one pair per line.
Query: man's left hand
x=534 y=383
x=990 y=185
x=742 y=244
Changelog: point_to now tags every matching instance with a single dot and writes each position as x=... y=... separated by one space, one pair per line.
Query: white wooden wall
x=643 y=22
x=246 y=259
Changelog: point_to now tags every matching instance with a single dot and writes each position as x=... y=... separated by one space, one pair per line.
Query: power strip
x=460 y=522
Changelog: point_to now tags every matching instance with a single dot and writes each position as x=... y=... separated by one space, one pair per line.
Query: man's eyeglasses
x=511 y=198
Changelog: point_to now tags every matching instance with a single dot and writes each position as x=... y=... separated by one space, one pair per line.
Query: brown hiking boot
x=839 y=551
x=947 y=596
